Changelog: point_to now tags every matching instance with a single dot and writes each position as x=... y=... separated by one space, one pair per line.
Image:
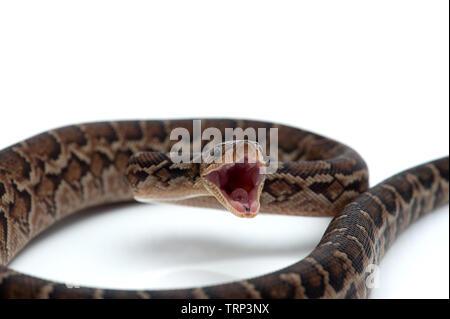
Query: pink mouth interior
x=239 y=183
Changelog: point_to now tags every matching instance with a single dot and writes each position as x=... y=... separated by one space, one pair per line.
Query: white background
x=373 y=74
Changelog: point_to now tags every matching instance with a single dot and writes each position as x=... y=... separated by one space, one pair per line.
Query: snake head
x=236 y=177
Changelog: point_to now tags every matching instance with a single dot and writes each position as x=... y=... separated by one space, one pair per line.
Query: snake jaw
x=237 y=185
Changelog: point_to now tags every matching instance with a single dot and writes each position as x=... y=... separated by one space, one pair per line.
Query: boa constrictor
x=62 y=171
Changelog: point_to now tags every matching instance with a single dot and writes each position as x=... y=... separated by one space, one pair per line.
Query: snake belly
x=65 y=170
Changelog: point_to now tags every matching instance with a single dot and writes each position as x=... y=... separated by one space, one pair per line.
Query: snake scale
x=62 y=171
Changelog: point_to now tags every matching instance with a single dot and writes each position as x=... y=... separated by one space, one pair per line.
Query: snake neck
x=154 y=177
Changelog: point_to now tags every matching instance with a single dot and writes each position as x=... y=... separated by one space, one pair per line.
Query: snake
x=52 y=175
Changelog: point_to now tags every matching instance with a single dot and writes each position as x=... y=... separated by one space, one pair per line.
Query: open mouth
x=239 y=183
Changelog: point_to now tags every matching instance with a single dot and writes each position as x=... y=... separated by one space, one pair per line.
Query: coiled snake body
x=62 y=171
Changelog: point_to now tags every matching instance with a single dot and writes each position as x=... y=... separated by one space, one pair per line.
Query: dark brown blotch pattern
x=20 y=210
x=71 y=135
x=44 y=146
x=337 y=264
x=14 y=164
x=130 y=130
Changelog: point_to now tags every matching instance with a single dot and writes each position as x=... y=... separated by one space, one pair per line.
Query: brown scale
x=57 y=173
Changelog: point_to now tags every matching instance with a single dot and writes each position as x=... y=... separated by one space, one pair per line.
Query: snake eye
x=239 y=184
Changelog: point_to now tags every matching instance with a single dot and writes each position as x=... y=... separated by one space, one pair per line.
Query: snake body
x=62 y=171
